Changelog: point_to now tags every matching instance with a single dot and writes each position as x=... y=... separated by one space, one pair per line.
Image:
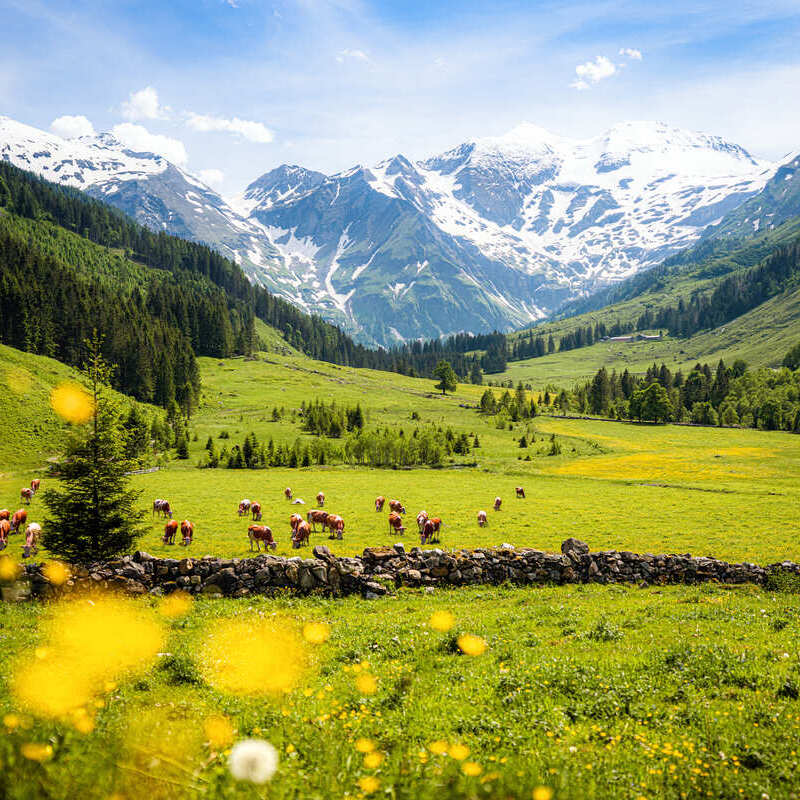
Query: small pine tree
x=93 y=516
x=182 y=448
x=447 y=377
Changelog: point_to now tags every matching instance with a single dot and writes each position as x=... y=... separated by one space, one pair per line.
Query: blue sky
x=233 y=88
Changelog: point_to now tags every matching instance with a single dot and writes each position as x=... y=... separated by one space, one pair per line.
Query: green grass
x=605 y=692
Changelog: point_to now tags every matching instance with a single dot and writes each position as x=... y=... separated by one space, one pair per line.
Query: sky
x=230 y=89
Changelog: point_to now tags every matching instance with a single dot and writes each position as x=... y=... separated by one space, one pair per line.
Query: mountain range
x=493 y=234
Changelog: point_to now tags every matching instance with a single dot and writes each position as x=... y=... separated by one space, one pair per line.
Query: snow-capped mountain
x=146 y=186
x=495 y=233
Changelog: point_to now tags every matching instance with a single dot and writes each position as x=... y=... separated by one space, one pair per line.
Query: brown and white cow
x=482 y=519
x=287 y=493
x=336 y=526
x=497 y=503
x=261 y=533
x=520 y=492
x=244 y=508
x=396 y=523
x=32 y=534
x=170 y=529
x=316 y=516
x=294 y=521
x=35 y=484
x=430 y=533
x=26 y=494
x=18 y=520
x=162 y=507
x=187 y=532
x=5 y=513
x=255 y=510
x=397 y=507
x=301 y=535
x=5 y=530
x=379 y=501
x=320 y=499
x=422 y=518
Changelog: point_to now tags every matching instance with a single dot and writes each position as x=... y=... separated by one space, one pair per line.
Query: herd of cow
x=429 y=527
x=14 y=523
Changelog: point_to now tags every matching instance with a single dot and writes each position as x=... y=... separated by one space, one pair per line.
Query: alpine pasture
x=565 y=692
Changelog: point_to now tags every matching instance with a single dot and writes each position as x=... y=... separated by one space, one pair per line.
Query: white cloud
x=211 y=177
x=353 y=55
x=593 y=72
x=137 y=137
x=252 y=131
x=631 y=52
x=143 y=105
x=69 y=127
x=231 y=3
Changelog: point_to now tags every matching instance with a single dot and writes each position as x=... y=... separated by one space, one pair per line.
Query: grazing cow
x=255 y=509
x=287 y=493
x=294 y=521
x=301 y=535
x=316 y=516
x=26 y=495
x=187 y=532
x=170 y=529
x=18 y=520
x=244 y=508
x=5 y=529
x=422 y=518
x=5 y=514
x=379 y=501
x=482 y=519
x=162 y=507
x=261 y=533
x=396 y=523
x=32 y=534
x=520 y=492
x=430 y=533
x=320 y=499
x=397 y=507
x=497 y=503
x=35 y=484
x=336 y=526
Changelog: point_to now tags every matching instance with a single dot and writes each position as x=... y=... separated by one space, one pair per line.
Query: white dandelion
x=253 y=760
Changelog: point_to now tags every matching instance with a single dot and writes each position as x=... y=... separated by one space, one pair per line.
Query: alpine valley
x=496 y=233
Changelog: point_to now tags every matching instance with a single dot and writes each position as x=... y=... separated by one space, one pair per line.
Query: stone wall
x=380 y=569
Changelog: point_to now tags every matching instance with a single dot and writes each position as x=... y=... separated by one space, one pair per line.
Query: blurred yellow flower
x=56 y=572
x=471 y=768
x=34 y=751
x=83 y=723
x=9 y=569
x=175 y=604
x=89 y=642
x=441 y=621
x=218 y=730
x=373 y=760
x=471 y=645
x=364 y=745
x=458 y=751
x=72 y=403
x=366 y=684
x=439 y=747
x=316 y=632
x=253 y=657
x=369 y=784
x=12 y=721
x=542 y=793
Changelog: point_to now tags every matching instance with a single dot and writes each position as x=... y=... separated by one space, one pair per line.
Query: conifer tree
x=93 y=516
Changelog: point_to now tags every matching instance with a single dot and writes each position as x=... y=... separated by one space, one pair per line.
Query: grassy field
x=728 y=493
x=582 y=692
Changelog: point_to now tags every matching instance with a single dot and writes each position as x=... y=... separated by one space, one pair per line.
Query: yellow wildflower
x=441 y=621
x=471 y=768
x=471 y=645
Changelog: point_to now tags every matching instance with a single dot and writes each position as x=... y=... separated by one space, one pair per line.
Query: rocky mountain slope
x=496 y=233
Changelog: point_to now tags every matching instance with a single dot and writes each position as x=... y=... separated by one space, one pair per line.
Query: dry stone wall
x=379 y=570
